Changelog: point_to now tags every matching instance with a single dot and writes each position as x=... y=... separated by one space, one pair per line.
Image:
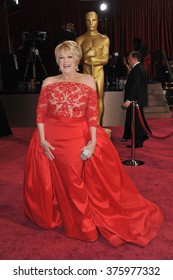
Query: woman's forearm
x=41 y=132
x=93 y=131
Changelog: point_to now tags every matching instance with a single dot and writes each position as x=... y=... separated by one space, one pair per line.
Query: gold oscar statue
x=95 y=49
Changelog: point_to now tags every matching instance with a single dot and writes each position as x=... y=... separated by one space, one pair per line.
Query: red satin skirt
x=85 y=197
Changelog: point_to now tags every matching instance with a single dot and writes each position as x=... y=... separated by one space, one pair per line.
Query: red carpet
x=20 y=239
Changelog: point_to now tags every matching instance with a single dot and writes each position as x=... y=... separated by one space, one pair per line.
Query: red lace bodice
x=69 y=100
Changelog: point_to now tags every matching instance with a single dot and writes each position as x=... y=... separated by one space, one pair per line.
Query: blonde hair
x=72 y=46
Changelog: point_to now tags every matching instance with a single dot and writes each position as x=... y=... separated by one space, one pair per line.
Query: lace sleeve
x=42 y=106
x=92 y=109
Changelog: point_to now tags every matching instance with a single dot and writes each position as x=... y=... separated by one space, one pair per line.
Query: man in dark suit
x=136 y=90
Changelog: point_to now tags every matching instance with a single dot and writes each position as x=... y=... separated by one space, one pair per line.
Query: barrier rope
x=146 y=130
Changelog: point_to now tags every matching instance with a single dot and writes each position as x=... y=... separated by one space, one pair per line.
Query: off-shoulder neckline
x=68 y=82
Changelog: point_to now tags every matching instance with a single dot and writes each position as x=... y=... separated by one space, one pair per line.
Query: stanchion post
x=133 y=130
x=133 y=162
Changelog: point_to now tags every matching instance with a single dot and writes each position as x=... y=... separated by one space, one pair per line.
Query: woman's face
x=66 y=61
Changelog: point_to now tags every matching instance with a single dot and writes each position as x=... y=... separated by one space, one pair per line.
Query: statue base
x=133 y=162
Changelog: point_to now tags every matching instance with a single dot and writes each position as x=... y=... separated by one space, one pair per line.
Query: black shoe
x=136 y=146
x=124 y=140
x=146 y=137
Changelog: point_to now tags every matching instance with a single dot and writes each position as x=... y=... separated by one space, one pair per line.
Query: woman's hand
x=47 y=149
x=91 y=148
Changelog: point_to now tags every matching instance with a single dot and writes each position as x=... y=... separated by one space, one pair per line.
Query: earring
x=77 y=68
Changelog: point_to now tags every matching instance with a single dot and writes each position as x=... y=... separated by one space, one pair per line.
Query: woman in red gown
x=90 y=196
